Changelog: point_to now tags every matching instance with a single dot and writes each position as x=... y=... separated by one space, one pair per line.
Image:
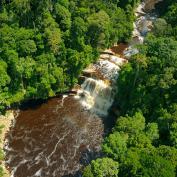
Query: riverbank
x=5 y=121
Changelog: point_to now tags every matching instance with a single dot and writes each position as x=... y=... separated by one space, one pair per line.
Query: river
x=58 y=137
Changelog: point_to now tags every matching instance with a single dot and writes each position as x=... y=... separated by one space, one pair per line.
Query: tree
x=145 y=163
x=98 y=30
x=4 y=77
x=26 y=47
x=115 y=145
x=140 y=82
x=54 y=39
x=74 y=32
x=161 y=27
x=63 y=16
x=170 y=16
x=131 y=125
x=154 y=165
x=152 y=131
x=104 y=167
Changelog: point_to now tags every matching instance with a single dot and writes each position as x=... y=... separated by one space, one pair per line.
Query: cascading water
x=142 y=25
x=97 y=95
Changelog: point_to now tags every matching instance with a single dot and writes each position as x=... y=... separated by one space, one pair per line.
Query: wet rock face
x=150 y=4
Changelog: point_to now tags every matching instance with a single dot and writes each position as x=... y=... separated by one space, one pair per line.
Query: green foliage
x=4 y=78
x=170 y=15
x=63 y=16
x=115 y=145
x=162 y=28
x=152 y=131
x=145 y=163
x=98 y=29
x=104 y=167
x=131 y=125
x=151 y=78
x=154 y=165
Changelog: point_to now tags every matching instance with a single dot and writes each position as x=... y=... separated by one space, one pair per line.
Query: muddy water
x=48 y=141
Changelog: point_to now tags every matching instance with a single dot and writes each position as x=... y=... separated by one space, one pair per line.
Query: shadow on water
x=36 y=103
x=86 y=158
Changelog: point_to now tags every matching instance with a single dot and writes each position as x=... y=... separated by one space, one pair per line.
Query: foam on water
x=142 y=25
x=97 y=95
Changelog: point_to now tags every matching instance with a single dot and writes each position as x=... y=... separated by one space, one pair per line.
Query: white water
x=97 y=94
x=142 y=25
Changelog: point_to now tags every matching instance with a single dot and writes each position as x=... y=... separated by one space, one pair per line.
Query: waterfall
x=97 y=92
x=97 y=96
x=51 y=139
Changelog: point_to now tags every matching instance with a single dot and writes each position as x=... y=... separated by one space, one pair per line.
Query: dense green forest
x=144 y=139
x=45 y=44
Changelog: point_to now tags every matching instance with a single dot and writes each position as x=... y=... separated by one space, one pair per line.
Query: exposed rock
x=140 y=10
x=108 y=69
x=117 y=60
x=119 y=49
x=6 y=121
x=89 y=72
x=105 y=56
x=142 y=25
x=82 y=79
x=108 y=51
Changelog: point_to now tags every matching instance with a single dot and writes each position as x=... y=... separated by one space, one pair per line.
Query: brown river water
x=50 y=140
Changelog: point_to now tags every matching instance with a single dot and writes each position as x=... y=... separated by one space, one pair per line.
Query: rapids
x=142 y=25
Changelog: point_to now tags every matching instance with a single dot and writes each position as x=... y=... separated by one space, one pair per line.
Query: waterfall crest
x=97 y=92
x=97 y=96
